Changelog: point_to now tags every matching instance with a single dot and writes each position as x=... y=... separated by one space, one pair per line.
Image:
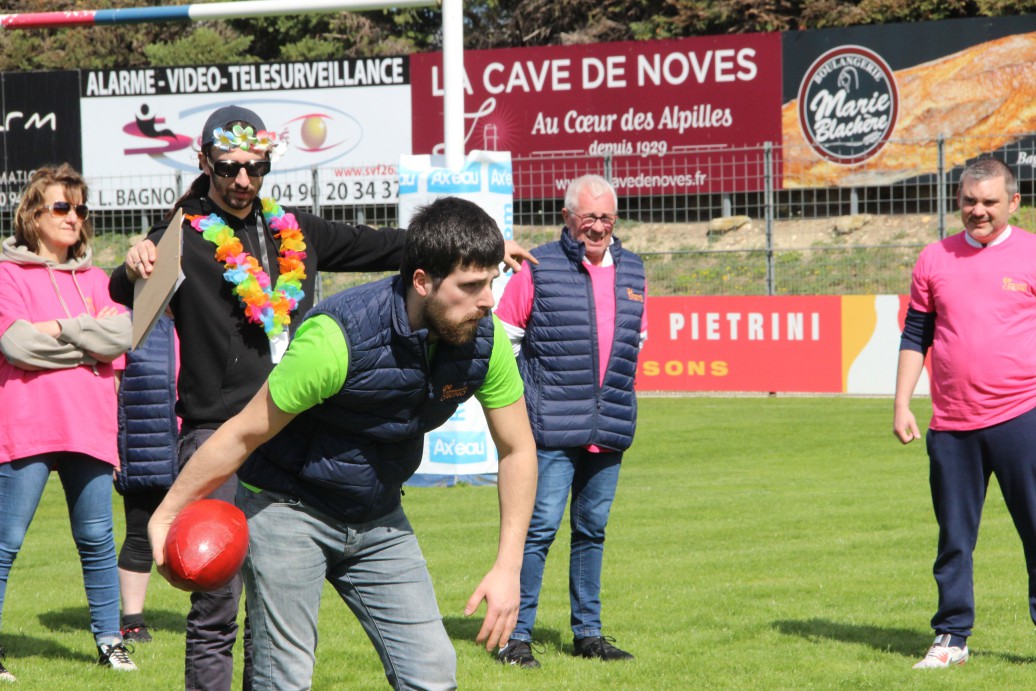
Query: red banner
x=692 y=95
x=743 y=344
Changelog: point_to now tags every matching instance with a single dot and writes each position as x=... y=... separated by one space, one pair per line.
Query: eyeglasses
x=230 y=169
x=588 y=220
x=62 y=209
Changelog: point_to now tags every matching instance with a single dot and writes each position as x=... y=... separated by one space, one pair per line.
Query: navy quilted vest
x=147 y=414
x=559 y=363
x=350 y=455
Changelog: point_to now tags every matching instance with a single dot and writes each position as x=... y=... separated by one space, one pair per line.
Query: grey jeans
x=378 y=570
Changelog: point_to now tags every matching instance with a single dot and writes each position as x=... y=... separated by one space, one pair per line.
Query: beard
x=235 y=197
x=448 y=330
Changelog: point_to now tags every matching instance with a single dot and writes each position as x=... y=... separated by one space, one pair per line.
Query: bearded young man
x=323 y=449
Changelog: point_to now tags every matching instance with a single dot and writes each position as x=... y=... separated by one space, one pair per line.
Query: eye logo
x=848 y=104
x=314 y=130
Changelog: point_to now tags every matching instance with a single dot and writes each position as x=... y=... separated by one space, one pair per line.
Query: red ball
x=206 y=545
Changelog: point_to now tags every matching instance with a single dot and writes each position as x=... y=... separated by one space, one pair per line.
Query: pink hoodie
x=47 y=410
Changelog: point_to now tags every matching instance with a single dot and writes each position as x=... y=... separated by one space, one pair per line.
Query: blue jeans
x=592 y=479
x=88 y=492
x=378 y=570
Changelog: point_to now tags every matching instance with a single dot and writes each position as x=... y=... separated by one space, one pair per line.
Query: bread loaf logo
x=848 y=103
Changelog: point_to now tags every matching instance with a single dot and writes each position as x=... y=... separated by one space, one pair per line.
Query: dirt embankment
x=743 y=233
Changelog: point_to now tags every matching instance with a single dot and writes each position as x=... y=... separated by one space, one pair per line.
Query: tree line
x=488 y=24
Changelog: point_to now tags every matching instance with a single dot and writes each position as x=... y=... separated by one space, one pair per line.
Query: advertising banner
x=866 y=105
x=40 y=125
x=462 y=449
x=350 y=117
x=657 y=102
x=802 y=344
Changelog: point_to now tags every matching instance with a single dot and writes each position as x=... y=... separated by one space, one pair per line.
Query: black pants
x=139 y=507
x=961 y=464
x=212 y=621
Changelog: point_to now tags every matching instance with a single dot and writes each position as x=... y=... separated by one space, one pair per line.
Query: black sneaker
x=136 y=634
x=115 y=656
x=600 y=648
x=4 y=674
x=518 y=653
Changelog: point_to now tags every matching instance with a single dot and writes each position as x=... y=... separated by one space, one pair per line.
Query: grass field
x=774 y=543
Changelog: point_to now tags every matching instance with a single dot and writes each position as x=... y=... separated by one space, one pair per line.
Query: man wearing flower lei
x=250 y=267
x=323 y=449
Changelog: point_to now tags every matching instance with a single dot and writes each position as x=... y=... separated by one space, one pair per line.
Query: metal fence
x=760 y=220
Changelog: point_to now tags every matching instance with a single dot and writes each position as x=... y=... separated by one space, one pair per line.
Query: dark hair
x=448 y=233
x=198 y=189
x=26 y=232
x=986 y=168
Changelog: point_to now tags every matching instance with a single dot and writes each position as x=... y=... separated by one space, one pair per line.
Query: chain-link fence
x=753 y=221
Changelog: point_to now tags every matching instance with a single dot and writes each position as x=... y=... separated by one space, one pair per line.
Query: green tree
x=215 y=44
x=488 y=24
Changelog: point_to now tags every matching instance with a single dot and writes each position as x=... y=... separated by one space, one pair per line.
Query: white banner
x=462 y=449
x=141 y=128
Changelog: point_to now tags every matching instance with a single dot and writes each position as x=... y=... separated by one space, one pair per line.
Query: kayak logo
x=848 y=104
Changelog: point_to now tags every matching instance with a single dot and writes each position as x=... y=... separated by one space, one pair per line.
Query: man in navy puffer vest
x=577 y=321
x=336 y=430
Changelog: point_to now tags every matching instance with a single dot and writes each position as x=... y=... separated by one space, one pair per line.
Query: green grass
x=767 y=542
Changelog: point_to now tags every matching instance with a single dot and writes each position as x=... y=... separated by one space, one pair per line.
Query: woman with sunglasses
x=61 y=342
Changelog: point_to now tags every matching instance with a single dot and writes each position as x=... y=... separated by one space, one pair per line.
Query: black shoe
x=4 y=674
x=600 y=648
x=518 y=653
x=137 y=634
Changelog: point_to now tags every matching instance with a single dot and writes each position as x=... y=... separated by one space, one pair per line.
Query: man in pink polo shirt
x=576 y=321
x=972 y=302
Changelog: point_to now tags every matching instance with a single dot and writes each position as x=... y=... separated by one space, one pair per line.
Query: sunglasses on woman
x=62 y=209
x=230 y=169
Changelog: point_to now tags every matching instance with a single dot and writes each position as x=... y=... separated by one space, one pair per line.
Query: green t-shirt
x=317 y=361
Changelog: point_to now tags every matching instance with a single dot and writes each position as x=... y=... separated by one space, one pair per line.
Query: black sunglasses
x=230 y=169
x=62 y=209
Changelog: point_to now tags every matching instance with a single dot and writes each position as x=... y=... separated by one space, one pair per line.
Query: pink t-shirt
x=984 y=349
x=55 y=410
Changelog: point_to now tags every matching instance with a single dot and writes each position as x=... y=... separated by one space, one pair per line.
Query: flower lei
x=270 y=307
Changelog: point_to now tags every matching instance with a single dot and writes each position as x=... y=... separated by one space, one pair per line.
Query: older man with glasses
x=576 y=320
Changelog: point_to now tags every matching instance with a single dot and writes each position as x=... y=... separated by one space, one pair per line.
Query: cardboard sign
x=152 y=295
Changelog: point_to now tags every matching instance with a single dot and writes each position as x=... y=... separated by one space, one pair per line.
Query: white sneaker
x=941 y=655
x=115 y=656
x=4 y=674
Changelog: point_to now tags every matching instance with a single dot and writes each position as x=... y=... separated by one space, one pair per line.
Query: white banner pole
x=264 y=8
x=453 y=82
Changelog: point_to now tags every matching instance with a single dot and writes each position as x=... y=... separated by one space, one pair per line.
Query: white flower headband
x=247 y=139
